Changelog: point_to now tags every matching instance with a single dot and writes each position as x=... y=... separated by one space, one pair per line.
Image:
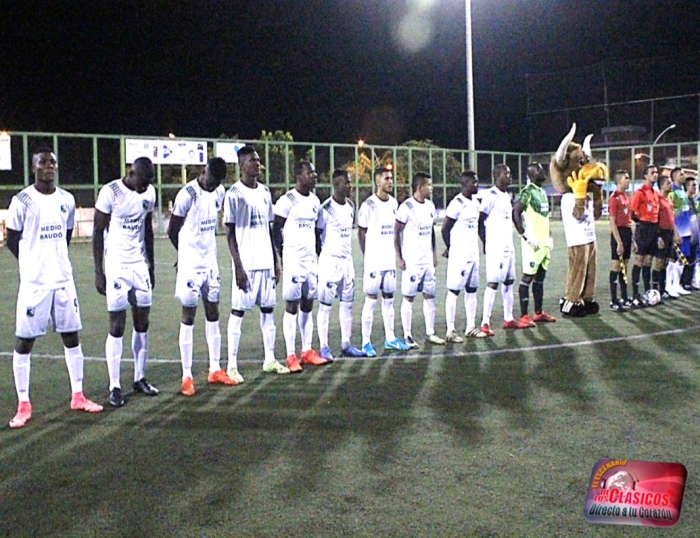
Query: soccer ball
x=653 y=297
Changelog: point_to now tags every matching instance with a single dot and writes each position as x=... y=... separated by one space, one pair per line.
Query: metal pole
x=471 y=144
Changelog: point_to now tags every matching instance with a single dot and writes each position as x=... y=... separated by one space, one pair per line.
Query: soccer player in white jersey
x=192 y=231
x=248 y=217
x=39 y=228
x=496 y=232
x=336 y=271
x=460 y=232
x=414 y=240
x=122 y=246
x=375 y=232
x=294 y=237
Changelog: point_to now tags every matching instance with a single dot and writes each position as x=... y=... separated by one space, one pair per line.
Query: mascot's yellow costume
x=574 y=175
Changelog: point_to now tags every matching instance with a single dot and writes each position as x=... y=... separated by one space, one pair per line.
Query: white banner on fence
x=167 y=151
x=5 y=153
x=228 y=151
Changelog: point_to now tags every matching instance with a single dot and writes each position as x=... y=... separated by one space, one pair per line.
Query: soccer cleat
x=79 y=402
x=680 y=290
x=325 y=353
x=221 y=378
x=115 y=397
x=627 y=303
x=233 y=374
x=618 y=306
x=369 y=350
x=187 y=387
x=395 y=345
x=453 y=338
x=410 y=342
x=144 y=387
x=475 y=332
x=639 y=302
x=352 y=351
x=435 y=340
x=527 y=321
x=24 y=413
x=543 y=316
x=514 y=324
x=670 y=293
x=274 y=367
x=293 y=364
x=311 y=356
x=486 y=328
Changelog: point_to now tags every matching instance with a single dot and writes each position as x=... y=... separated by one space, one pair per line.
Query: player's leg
x=429 y=289
x=141 y=300
x=493 y=270
x=21 y=366
x=291 y=292
x=187 y=290
x=210 y=292
x=508 y=279
x=328 y=281
x=456 y=279
x=266 y=299
x=346 y=294
x=306 y=321
x=410 y=282
x=119 y=283
x=451 y=314
x=371 y=285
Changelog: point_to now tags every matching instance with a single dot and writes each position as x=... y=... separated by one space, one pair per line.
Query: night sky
x=327 y=71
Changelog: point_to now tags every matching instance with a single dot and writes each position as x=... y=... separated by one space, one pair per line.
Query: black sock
x=636 y=270
x=524 y=293
x=646 y=277
x=538 y=294
x=614 y=275
x=656 y=280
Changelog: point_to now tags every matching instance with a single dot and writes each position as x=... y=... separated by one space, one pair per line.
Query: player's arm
x=239 y=270
x=319 y=240
x=432 y=238
x=518 y=208
x=398 y=235
x=277 y=237
x=174 y=226
x=361 y=236
x=12 y=241
x=612 y=211
x=100 y=224
x=482 y=228
x=447 y=226
x=149 y=244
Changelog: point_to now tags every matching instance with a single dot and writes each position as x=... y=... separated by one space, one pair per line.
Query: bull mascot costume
x=574 y=175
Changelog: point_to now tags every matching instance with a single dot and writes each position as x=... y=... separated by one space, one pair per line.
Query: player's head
x=422 y=185
x=651 y=174
x=622 y=180
x=664 y=183
x=305 y=175
x=501 y=176
x=691 y=187
x=141 y=174
x=341 y=183
x=249 y=162
x=470 y=182
x=214 y=174
x=677 y=175
x=384 y=180
x=44 y=164
x=536 y=174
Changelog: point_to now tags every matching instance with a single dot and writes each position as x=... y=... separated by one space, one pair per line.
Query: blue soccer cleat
x=325 y=353
x=368 y=348
x=352 y=351
x=396 y=345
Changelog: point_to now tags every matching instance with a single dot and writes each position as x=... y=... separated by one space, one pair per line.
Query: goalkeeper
x=531 y=220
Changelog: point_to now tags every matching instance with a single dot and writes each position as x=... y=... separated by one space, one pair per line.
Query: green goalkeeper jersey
x=536 y=214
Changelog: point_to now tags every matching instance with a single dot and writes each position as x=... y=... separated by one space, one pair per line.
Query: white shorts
x=299 y=282
x=262 y=291
x=374 y=282
x=418 y=278
x=128 y=284
x=336 y=278
x=191 y=284
x=500 y=265
x=462 y=274
x=35 y=308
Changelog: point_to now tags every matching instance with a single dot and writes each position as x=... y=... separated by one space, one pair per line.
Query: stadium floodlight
x=672 y=126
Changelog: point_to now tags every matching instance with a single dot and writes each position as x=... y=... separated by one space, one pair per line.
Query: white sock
x=306 y=328
x=406 y=317
x=507 y=295
x=345 y=318
x=213 y=335
x=679 y=272
x=233 y=332
x=269 y=331
x=20 y=366
x=429 y=315
x=670 y=276
x=388 y=316
x=289 y=328
x=322 y=318
x=74 y=363
x=489 y=299
x=139 y=345
x=368 y=318
x=113 y=352
x=470 y=306
x=185 y=342
x=450 y=311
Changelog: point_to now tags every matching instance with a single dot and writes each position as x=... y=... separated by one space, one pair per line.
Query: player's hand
x=402 y=264
x=278 y=272
x=446 y=254
x=634 y=246
x=101 y=284
x=578 y=184
x=152 y=276
x=620 y=250
x=532 y=241
x=242 y=279
x=660 y=243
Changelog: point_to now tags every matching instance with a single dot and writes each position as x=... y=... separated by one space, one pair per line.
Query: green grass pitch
x=490 y=438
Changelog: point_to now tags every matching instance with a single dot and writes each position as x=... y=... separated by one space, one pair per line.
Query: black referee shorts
x=626 y=236
x=646 y=235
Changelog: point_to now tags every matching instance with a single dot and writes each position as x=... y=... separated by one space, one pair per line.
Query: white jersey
x=417 y=237
x=250 y=211
x=497 y=205
x=197 y=238
x=125 y=241
x=378 y=218
x=577 y=232
x=44 y=220
x=336 y=222
x=299 y=230
x=464 y=235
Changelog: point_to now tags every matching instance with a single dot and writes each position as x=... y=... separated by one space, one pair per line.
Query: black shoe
x=115 y=397
x=618 y=306
x=639 y=302
x=144 y=387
